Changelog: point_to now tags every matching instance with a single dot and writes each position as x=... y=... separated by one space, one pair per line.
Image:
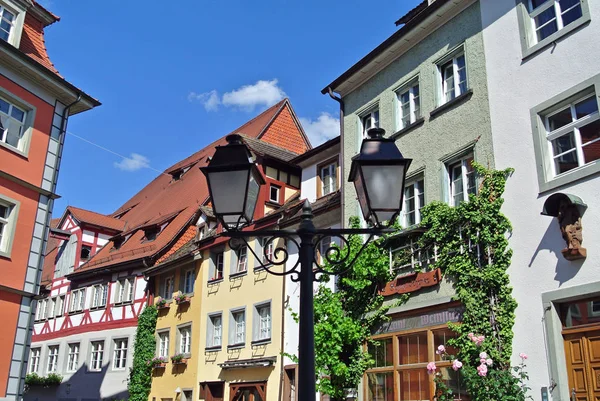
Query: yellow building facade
x=177 y=330
x=240 y=346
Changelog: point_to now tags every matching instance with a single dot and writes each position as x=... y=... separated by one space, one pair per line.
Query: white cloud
x=210 y=100
x=262 y=93
x=133 y=163
x=322 y=129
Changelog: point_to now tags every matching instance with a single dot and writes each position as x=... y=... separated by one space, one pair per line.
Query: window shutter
x=212 y=265
x=130 y=283
x=231 y=329
x=255 y=324
x=233 y=261
x=209 y=332
x=258 y=249
x=446 y=184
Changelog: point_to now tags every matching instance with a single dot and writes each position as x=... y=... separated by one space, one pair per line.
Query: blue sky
x=173 y=79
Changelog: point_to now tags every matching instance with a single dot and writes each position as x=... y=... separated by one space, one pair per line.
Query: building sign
x=404 y=285
x=425 y=320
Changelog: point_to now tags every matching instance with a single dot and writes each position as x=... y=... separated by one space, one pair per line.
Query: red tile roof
x=163 y=197
x=33 y=43
x=96 y=219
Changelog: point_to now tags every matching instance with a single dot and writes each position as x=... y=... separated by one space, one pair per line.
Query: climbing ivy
x=345 y=319
x=140 y=376
x=472 y=247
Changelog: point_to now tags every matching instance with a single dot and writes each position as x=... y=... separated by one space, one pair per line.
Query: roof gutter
x=341 y=160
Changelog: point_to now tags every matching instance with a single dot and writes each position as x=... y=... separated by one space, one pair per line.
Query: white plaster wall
x=515 y=87
x=88 y=236
x=308 y=188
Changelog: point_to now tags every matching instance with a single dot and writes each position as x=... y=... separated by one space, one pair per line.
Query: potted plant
x=178 y=359
x=160 y=303
x=33 y=379
x=180 y=298
x=158 y=362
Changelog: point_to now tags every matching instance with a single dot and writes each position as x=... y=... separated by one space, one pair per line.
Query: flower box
x=179 y=359
x=158 y=362
x=159 y=366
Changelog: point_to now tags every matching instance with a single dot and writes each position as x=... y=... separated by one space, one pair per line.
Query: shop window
x=212 y=391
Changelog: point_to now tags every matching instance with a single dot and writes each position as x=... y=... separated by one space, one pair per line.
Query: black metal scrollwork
x=336 y=255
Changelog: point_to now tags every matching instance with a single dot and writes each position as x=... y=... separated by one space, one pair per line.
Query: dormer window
x=7 y=22
x=86 y=252
x=151 y=233
x=177 y=174
x=118 y=242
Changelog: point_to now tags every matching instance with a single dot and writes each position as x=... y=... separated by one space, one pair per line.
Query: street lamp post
x=378 y=173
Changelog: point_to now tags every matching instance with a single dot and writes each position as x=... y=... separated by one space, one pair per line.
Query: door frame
x=557 y=360
x=234 y=387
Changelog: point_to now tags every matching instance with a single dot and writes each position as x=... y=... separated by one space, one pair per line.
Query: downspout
x=342 y=192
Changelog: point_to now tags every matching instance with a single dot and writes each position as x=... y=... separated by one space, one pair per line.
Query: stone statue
x=569 y=220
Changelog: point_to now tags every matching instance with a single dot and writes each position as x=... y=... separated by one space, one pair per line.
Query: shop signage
x=404 y=285
x=425 y=320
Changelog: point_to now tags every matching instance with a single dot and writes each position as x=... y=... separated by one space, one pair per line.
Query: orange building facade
x=35 y=103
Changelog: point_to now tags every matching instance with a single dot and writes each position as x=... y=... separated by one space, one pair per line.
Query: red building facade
x=35 y=104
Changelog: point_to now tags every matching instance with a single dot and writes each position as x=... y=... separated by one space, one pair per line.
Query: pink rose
x=431 y=368
x=523 y=355
x=482 y=370
x=489 y=362
x=440 y=350
x=470 y=335
x=478 y=340
x=483 y=355
x=482 y=361
x=456 y=364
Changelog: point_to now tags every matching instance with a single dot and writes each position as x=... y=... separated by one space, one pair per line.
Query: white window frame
x=418 y=183
x=124 y=290
x=34 y=360
x=188 y=281
x=42 y=309
x=168 y=287
x=263 y=324
x=73 y=357
x=26 y=125
x=60 y=305
x=238 y=328
x=77 y=300
x=163 y=343
x=14 y=38
x=185 y=339
x=218 y=258
x=52 y=365
x=268 y=251
x=8 y=225
x=277 y=188
x=99 y=295
x=442 y=78
x=96 y=356
x=121 y=346
x=242 y=260
x=374 y=116
x=413 y=90
x=418 y=258
x=215 y=337
x=574 y=126
x=464 y=178
x=332 y=177
x=558 y=17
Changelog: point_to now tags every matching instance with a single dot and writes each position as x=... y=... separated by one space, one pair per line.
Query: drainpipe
x=343 y=197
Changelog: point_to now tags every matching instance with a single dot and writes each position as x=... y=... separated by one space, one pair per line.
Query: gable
x=285 y=132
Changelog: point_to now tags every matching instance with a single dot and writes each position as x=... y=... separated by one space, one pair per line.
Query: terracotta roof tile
x=33 y=43
x=96 y=219
x=264 y=148
x=164 y=196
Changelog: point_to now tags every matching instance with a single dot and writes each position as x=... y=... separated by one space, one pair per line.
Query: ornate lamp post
x=378 y=173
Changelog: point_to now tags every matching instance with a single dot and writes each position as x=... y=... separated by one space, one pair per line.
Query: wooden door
x=583 y=364
x=248 y=392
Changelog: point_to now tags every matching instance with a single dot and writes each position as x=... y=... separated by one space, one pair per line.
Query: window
x=328 y=180
x=462 y=180
x=167 y=287
x=12 y=118
x=409 y=258
x=185 y=339
x=163 y=344
x=150 y=234
x=267 y=250
x=212 y=391
x=215 y=331
x=188 y=281
x=86 y=252
x=409 y=104
x=73 y=357
x=290 y=392
x=97 y=355
x=216 y=271
x=262 y=323
x=550 y=16
x=237 y=328
x=120 y=355
x=77 y=300
x=274 y=193
x=7 y=225
x=188 y=395
x=51 y=307
x=573 y=133
x=42 y=309
x=7 y=22
x=410 y=368
x=34 y=360
x=60 y=305
x=414 y=200
x=324 y=245
x=99 y=295
x=52 y=359
x=453 y=75
x=369 y=120
x=242 y=259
